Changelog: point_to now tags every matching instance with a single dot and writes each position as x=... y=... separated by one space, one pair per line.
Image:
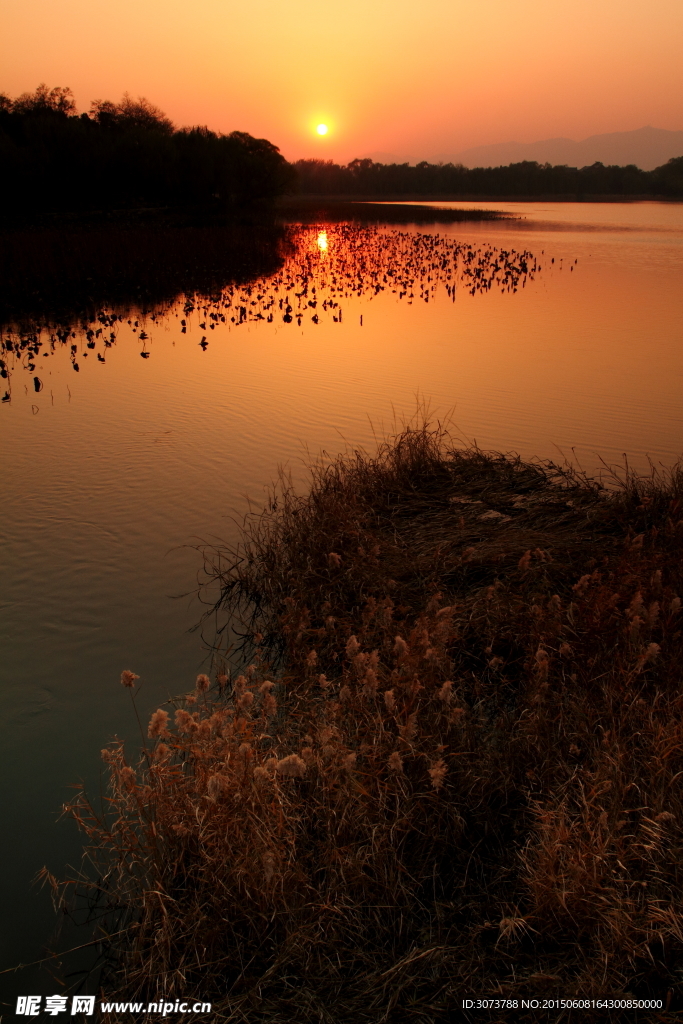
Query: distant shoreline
x=374 y=210
x=309 y=199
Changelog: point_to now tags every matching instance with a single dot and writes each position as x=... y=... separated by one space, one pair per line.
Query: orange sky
x=389 y=76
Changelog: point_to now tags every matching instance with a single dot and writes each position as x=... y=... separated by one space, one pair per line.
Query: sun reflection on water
x=327 y=268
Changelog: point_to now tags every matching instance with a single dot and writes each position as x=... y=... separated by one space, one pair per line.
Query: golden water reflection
x=111 y=473
x=328 y=269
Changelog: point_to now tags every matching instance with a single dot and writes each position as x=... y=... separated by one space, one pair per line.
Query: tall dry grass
x=451 y=767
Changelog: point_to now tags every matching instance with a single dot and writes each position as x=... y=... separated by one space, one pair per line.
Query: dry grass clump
x=416 y=518
x=470 y=790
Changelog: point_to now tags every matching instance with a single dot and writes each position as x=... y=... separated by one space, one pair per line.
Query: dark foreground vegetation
x=525 y=180
x=450 y=765
x=125 y=155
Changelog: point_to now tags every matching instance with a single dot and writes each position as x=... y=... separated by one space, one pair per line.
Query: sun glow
x=322 y=129
x=322 y=241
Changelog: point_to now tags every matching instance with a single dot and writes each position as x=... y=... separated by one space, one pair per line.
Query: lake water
x=560 y=332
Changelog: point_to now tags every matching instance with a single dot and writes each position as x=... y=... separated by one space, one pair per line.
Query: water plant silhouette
x=305 y=280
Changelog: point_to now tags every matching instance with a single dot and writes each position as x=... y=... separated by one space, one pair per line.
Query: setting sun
x=322 y=129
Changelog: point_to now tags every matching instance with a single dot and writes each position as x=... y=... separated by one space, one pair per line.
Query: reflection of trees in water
x=73 y=283
x=326 y=266
x=67 y=272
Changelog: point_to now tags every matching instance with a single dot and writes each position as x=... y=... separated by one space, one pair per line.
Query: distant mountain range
x=645 y=147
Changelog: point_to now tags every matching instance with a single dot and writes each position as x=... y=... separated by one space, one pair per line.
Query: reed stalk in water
x=450 y=766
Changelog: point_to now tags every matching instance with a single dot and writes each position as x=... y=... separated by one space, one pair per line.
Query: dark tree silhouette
x=669 y=177
x=130 y=113
x=125 y=156
x=44 y=100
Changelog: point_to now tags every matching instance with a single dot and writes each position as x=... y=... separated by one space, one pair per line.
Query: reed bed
x=449 y=766
x=314 y=209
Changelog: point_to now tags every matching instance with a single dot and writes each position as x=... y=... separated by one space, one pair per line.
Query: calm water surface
x=561 y=331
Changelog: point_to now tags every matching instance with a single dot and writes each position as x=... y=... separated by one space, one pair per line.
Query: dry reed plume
x=451 y=764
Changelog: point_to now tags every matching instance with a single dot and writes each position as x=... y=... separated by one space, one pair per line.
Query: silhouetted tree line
x=129 y=155
x=364 y=177
x=125 y=155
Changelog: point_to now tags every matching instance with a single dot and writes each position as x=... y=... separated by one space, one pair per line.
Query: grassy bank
x=449 y=767
x=337 y=209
